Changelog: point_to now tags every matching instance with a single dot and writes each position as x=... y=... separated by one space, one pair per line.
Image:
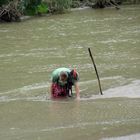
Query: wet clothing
x=59 y=88
x=58 y=91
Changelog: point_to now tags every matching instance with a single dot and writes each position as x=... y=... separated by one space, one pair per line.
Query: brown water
x=31 y=50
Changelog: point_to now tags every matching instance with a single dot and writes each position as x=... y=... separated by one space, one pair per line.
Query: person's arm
x=77 y=90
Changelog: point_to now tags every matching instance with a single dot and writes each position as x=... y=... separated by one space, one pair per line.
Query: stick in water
x=95 y=71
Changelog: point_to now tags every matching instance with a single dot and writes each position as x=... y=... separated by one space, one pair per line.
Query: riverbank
x=12 y=12
x=25 y=18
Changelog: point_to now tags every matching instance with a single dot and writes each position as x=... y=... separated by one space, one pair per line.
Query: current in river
x=31 y=50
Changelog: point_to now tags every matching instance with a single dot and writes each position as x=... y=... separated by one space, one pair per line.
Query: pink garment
x=58 y=91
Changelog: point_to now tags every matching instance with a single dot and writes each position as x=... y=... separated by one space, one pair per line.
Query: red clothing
x=58 y=91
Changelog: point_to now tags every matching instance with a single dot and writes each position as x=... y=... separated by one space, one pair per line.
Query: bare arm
x=77 y=90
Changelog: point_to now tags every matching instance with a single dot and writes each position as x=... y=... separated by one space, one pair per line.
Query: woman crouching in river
x=62 y=81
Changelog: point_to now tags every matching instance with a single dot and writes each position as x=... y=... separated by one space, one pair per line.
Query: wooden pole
x=95 y=71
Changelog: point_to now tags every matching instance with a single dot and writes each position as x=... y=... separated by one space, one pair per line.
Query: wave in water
x=129 y=137
x=27 y=88
x=131 y=90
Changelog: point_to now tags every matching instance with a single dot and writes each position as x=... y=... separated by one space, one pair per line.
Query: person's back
x=62 y=81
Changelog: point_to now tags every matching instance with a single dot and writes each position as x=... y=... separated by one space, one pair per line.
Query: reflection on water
x=31 y=50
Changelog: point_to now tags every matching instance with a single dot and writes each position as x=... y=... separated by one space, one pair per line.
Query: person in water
x=62 y=81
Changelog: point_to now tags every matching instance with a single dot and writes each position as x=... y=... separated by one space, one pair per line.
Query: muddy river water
x=31 y=50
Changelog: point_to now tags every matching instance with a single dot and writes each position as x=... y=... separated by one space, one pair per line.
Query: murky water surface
x=31 y=50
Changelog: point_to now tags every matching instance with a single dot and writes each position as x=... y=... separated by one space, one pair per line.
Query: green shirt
x=56 y=74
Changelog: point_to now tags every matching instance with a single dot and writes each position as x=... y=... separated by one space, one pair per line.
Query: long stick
x=95 y=71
